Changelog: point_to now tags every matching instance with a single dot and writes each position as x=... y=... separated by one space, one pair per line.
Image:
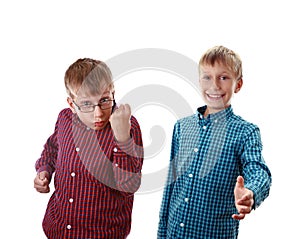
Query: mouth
x=214 y=97
x=99 y=124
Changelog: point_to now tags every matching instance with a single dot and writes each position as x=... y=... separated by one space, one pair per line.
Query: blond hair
x=225 y=56
x=88 y=75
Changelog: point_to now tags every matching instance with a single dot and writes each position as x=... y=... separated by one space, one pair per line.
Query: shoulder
x=192 y=119
x=186 y=124
x=65 y=114
x=242 y=125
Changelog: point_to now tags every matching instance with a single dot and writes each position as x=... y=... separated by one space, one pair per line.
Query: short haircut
x=225 y=56
x=89 y=76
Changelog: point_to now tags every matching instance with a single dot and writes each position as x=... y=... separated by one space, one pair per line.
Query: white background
x=40 y=39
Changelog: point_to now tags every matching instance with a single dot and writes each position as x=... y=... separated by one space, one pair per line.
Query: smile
x=214 y=96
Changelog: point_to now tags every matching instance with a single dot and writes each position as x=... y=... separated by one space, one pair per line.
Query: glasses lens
x=87 y=109
x=106 y=104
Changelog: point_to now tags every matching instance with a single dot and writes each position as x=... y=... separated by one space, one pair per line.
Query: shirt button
x=190 y=175
x=77 y=149
x=73 y=174
x=69 y=227
x=196 y=150
x=115 y=150
x=216 y=121
x=204 y=127
x=181 y=224
x=186 y=199
x=71 y=200
x=116 y=165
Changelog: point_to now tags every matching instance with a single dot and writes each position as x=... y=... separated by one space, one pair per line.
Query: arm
x=45 y=165
x=252 y=189
x=128 y=160
x=128 y=150
x=164 y=210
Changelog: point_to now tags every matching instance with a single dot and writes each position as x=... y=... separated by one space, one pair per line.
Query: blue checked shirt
x=207 y=156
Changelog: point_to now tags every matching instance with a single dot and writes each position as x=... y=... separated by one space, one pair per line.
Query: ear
x=71 y=104
x=239 y=85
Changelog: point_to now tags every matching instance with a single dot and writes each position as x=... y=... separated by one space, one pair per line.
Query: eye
x=103 y=101
x=86 y=103
x=205 y=77
x=223 y=78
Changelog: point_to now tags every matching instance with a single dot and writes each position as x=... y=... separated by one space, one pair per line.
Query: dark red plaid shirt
x=95 y=178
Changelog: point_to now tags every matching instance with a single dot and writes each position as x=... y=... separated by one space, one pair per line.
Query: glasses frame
x=94 y=106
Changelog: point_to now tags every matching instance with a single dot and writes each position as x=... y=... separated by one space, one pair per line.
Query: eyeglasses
x=88 y=107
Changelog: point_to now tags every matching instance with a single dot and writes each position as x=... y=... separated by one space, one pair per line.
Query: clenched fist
x=120 y=123
x=41 y=182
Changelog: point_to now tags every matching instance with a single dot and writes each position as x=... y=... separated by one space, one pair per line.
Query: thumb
x=240 y=182
x=43 y=175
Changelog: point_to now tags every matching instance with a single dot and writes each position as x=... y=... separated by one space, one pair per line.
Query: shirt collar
x=223 y=114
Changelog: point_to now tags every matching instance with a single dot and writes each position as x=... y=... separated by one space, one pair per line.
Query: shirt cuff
x=47 y=169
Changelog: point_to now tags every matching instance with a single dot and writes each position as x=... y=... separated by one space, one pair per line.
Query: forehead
x=94 y=97
x=217 y=67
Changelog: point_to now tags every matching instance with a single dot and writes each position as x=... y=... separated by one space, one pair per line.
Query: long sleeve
x=164 y=210
x=48 y=158
x=256 y=173
x=128 y=160
x=208 y=154
x=116 y=165
x=90 y=195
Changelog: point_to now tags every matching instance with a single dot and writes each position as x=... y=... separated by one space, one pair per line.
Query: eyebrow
x=87 y=98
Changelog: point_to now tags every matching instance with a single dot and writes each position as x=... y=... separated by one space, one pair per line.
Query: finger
x=38 y=183
x=245 y=210
x=240 y=182
x=245 y=200
x=244 y=203
x=246 y=197
x=42 y=188
x=238 y=216
x=127 y=108
x=43 y=175
x=121 y=107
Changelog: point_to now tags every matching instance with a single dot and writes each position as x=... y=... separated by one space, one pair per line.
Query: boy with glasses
x=96 y=153
x=217 y=174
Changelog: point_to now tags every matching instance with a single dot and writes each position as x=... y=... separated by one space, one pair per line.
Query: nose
x=215 y=84
x=98 y=112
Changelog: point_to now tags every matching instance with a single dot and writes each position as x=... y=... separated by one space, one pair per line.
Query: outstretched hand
x=244 y=199
x=120 y=123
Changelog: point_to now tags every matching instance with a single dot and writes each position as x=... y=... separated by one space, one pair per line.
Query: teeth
x=215 y=96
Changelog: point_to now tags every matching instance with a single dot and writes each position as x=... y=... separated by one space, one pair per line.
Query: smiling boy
x=217 y=174
x=96 y=153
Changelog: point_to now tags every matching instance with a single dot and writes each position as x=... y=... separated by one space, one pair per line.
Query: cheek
x=108 y=114
x=205 y=85
x=85 y=118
